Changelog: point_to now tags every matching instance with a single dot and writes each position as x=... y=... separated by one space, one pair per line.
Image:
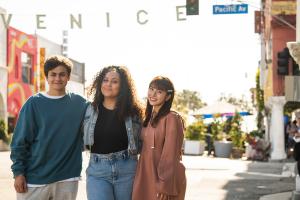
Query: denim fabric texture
x=133 y=128
x=111 y=176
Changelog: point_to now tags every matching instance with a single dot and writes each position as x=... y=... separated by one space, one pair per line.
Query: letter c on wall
x=138 y=17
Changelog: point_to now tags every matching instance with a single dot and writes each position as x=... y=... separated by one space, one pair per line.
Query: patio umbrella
x=219 y=107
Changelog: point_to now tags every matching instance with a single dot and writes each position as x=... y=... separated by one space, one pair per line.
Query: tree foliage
x=196 y=130
x=235 y=132
x=216 y=128
x=239 y=102
x=3 y=131
x=260 y=104
x=187 y=100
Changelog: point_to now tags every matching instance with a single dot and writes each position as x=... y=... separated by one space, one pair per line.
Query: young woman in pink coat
x=160 y=173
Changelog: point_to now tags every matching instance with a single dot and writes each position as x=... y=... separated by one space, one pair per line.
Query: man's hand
x=20 y=184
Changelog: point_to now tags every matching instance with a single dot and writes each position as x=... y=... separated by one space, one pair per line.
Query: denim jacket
x=133 y=129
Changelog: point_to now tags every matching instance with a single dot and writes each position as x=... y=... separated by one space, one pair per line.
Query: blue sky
x=211 y=54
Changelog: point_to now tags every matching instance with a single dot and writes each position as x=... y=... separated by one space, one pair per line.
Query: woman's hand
x=161 y=196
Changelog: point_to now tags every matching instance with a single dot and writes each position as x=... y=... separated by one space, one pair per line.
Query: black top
x=110 y=133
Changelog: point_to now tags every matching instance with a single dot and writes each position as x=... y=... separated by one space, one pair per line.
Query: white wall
x=76 y=87
x=53 y=48
x=3 y=70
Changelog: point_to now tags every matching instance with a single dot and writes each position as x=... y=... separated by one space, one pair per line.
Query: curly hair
x=127 y=103
x=165 y=84
x=56 y=60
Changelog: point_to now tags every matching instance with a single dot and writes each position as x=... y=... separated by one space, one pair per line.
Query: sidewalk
x=208 y=178
x=279 y=196
x=287 y=171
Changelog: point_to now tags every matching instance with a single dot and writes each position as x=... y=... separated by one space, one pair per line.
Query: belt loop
x=96 y=159
x=128 y=153
x=124 y=155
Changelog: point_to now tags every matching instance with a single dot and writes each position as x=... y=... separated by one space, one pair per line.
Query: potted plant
x=222 y=145
x=4 y=139
x=194 y=138
x=237 y=136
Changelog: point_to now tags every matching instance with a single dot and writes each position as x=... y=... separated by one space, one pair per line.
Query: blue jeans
x=110 y=176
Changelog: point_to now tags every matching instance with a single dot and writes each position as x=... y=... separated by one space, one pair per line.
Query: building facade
x=22 y=68
x=3 y=71
x=47 y=48
x=276 y=23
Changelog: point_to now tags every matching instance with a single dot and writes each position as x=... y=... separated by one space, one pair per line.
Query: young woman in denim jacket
x=112 y=128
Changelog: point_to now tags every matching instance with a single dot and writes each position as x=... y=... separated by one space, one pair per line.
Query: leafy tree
x=187 y=100
x=239 y=102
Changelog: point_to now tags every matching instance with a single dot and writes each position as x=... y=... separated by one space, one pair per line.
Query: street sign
x=230 y=9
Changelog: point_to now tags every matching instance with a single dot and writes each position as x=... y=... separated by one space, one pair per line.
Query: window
x=26 y=61
x=16 y=67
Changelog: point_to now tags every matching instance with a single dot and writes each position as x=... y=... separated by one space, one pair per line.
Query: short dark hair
x=56 y=60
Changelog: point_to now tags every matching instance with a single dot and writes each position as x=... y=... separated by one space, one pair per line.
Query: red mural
x=22 y=68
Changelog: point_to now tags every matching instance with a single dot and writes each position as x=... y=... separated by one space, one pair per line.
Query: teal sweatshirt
x=47 y=141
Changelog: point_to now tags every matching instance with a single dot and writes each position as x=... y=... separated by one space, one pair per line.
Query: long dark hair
x=127 y=103
x=165 y=84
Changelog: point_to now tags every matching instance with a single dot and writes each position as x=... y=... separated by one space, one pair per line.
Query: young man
x=47 y=141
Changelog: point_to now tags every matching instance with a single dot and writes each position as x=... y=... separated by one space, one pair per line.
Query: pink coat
x=159 y=168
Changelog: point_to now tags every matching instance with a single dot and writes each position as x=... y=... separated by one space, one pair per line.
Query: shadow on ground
x=261 y=178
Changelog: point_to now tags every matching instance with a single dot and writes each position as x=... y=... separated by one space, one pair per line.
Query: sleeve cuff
x=18 y=173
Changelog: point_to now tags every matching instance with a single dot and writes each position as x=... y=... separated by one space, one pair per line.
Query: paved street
x=208 y=179
x=225 y=179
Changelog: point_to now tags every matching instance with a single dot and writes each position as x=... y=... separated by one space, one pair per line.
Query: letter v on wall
x=6 y=21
